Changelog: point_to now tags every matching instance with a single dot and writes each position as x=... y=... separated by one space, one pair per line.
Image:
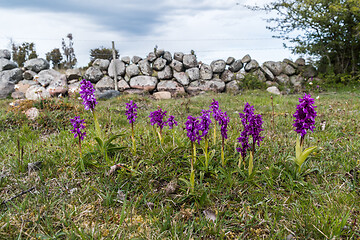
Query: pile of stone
x=160 y=73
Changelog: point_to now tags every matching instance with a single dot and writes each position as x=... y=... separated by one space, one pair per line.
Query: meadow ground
x=149 y=199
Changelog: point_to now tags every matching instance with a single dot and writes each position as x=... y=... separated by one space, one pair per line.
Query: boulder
x=146 y=83
x=123 y=85
x=291 y=63
x=126 y=59
x=288 y=69
x=193 y=73
x=151 y=57
x=132 y=91
x=239 y=76
x=145 y=67
x=179 y=56
x=260 y=75
x=170 y=86
x=300 y=62
x=273 y=90
x=159 y=52
x=159 y=64
x=275 y=67
x=206 y=72
x=4 y=53
x=45 y=77
x=246 y=59
x=251 y=66
x=308 y=71
x=58 y=86
x=215 y=85
x=230 y=61
x=74 y=88
x=227 y=76
x=167 y=56
x=29 y=75
x=23 y=85
x=297 y=80
x=108 y=94
x=166 y=73
x=93 y=74
x=36 y=64
x=282 y=79
x=162 y=95
x=6 y=88
x=6 y=64
x=136 y=59
x=37 y=92
x=218 y=66
x=232 y=87
x=32 y=114
x=73 y=73
x=102 y=64
x=118 y=65
x=176 y=65
x=236 y=66
x=132 y=70
x=105 y=83
x=18 y=95
x=268 y=74
x=182 y=78
x=13 y=75
x=190 y=61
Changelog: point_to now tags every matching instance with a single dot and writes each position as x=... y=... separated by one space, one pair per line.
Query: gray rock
x=218 y=66
x=179 y=56
x=288 y=69
x=270 y=83
x=182 y=78
x=106 y=83
x=193 y=73
x=275 y=67
x=136 y=91
x=206 y=72
x=273 y=90
x=151 y=57
x=159 y=64
x=126 y=59
x=239 y=76
x=251 y=66
x=297 y=80
x=232 y=87
x=190 y=61
x=13 y=75
x=215 y=85
x=268 y=74
x=6 y=88
x=23 y=85
x=291 y=63
x=36 y=64
x=145 y=67
x=170 y=86
x=230 y=61
x=118 y=65
x=167 y=56
x=136 y=59
x=108 y=94
x=102 y=64
x=282 y=79
x=123 y=85
x=176 y=65
x=162 y=95
x=36 y=92
x=18 y=95
x=73 y=73
x=300 y=62
x=159 y=52
x=6 y=64
x=166 y=73
x=227 y=76
x=93 y=74
x=260 y=75
x=45 y=77
x=308 y=71
x=58 y=86
x=4 y=53
x=146 y=83
x=29 y=75
x=132 y=70
x=236 y=66
x=246 y=59
x=74 y=88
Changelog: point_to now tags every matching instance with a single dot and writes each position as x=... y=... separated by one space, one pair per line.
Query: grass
x=319 y=203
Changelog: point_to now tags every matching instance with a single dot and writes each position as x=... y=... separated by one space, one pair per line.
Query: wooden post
x=115 y=72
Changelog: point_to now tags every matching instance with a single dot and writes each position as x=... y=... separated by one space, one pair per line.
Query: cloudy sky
x=212 y=28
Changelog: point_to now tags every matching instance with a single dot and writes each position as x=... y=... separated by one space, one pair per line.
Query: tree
x=55 y=57
x=68 y=51
x=102 y=53
x=23 y=52
x=327 y=29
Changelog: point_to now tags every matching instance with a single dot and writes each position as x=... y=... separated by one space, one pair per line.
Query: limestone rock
x=132 y=70
x=297 y=80
x=260 y=75
x=236 y=66
x=215 y=85
x=13 y=75
x=162 y=95
x=309 y=71
x=182 y=78
x=300 y=62
x=190 y=61
x=291 y=63
x=193 y=73
x=6 y=88
x=102 y=64
x=167 y=56
x=18 y=95
x=275 y=67
x=93 y=74
x=58 y=86
x=206 y=72
x=232 y=87
x=118 y=65
x=151 y=57
x=136 y=59
x=37 y=92
x=136 y=91
x=74 y=88
x=23 y=85
x=145 y=67
x=227 y=76
x=246 y=59
x=273 y=90
x=283 y=79
x=218 y=66
x=29 y=75
x=166 y=73
x=268 y=74
x=73 y=73
x=32 y=114
x=6 y=64
x=239 y=76
x=288 y=69
x=123 y=85
x=4 y=53
x=107 y=94
x=252 y=65
x=230 y=61
x=126 y=59
x=170 y=86
x=159 y=52
x=176 y=65
x=45 y=77
x=146 y=83
x=106 y=83
x=179 y=56
x=159 y=64
x=36 y=64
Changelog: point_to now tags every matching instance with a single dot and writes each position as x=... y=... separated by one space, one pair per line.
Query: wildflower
x=78 y=125
x=131 y=111
x=157 y=117
x=214 y=107
x=205 y=122
x=87 y=94
x=223 y=122
x=171 y=122
x=192 y=126
x=305 y=115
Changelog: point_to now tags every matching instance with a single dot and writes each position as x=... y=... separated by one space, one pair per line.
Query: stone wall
x=160 y=73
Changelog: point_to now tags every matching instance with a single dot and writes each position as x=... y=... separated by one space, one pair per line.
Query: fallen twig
x=18 y=195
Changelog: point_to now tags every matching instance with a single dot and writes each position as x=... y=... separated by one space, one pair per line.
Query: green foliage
x=55 y=57
x=251 y=82
x=102 y=53
x=23 y=52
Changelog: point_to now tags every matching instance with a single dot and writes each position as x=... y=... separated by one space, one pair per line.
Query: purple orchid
x=305 y=115
x=87 y=94
x=78 y=125
x=192 y=126
x=171 y=122
x=157 y=117
x=205 y=122
x=131 y=111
